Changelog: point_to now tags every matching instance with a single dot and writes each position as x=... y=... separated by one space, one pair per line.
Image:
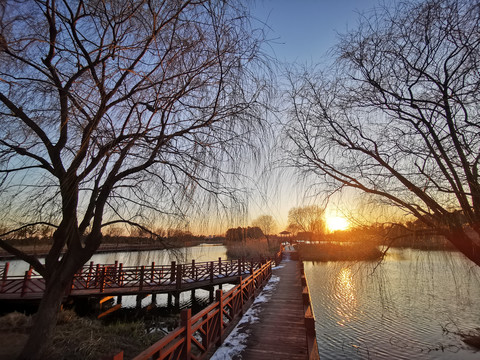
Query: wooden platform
x=280 y=332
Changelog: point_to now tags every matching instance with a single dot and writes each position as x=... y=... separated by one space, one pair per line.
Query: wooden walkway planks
x=280 y=331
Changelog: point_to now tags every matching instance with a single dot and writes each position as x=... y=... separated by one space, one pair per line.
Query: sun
x=335 y=223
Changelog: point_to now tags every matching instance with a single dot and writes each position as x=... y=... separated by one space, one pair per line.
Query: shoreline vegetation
x=350 y=245
x=338 y=252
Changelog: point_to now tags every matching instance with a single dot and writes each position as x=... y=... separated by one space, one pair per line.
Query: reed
x=252 y=248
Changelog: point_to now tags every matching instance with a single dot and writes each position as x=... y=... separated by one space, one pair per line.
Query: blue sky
x=304 y=30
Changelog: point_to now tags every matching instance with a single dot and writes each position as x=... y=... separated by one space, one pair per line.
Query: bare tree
x=310 y=219
x=113 y=108
x=398 y=119
x=266 y=223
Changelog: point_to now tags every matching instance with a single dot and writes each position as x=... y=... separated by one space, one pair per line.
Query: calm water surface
x=410 y=307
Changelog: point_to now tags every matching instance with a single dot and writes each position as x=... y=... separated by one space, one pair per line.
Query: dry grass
x=14 y=321
x=78 y=338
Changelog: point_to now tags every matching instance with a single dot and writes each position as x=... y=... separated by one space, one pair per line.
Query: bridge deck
x=280 y=332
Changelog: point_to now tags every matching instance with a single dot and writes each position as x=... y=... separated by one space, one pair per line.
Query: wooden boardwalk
x=280 y=331
x=116 y=280
x=285 y=325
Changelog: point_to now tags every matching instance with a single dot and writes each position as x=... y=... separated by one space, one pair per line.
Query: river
x=412 y=306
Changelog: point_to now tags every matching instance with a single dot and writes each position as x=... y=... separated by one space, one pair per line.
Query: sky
x=300 y=32
x=304 y=30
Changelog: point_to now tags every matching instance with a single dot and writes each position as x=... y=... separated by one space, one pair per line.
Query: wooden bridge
x=115 y=279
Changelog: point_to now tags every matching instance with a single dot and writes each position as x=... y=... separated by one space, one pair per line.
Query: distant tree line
x=40 y=235
x=242 y=233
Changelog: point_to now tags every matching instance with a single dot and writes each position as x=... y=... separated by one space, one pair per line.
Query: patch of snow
x=235 y=343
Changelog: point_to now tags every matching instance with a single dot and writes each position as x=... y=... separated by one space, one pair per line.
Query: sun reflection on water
x=345 y=294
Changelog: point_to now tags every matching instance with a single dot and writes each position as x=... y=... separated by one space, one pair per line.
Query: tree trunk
x=41 y=334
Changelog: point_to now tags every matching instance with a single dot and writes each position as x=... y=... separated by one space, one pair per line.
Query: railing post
x=120 y=274
x=211 y=272
x=102 y=279
x=220 y=266
x=172 y=275
x=89 y=275
x=240 y=282
x=97 y=275
x=179 y=276
x=142 y=277
x=186 y=321
x=152 y=275
x=194 y=271
x=219 y=299
x=26 y=278
x=115 y=271
x=239 y=267
x=5 y=274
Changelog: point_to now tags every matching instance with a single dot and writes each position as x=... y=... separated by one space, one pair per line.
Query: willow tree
x=397 y=116
x=110 y=108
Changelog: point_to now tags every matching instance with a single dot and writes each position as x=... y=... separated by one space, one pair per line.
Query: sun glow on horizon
x=335 y=223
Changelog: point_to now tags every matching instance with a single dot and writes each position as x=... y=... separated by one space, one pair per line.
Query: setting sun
x=337 y=223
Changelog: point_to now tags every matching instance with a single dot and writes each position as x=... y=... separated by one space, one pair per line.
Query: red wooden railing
x=21 y=285
x=199 y=333
x=100 y=278
x=103 y=277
